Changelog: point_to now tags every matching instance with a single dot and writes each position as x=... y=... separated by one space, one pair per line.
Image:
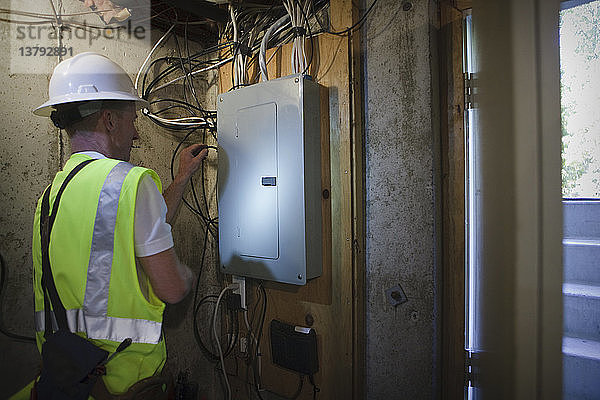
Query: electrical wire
x=257 y=381
x=233 y=333
x=188 y=83
x=356 y=25
x=263 y=45
x=186 y=122
x=310 y=35
x=208 y=221
x=197 y=304
x=216 y=336
x=174 y=65
x=197 y=336
x=158 y=42
x=69 y=23
x=299 y=390
x=237 y=58
x=3 y=276
x=192 y=73
x=233 y=321
x=56 y=19
x=251 y=334
x=206 y=115
x=316 y=389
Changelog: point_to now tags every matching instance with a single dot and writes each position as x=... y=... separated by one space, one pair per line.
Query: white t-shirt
x=152 y=233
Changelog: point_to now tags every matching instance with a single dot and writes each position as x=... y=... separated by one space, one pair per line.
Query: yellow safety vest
x=93 y=262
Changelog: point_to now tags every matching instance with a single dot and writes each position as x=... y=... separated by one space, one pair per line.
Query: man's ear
x=109 y=119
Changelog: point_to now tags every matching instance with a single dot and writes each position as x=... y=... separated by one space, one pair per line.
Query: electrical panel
x=269 y=180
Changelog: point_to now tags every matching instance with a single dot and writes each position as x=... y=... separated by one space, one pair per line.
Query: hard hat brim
x=46 y=109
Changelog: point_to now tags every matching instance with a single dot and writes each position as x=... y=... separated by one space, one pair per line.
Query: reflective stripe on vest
x=108 y=328
x=101 y=255
x=92 y=319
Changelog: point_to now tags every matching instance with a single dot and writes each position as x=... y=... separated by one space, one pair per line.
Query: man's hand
x=190 y=161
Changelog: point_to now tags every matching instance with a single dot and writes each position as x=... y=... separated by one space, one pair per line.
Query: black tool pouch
x=68 y=367
x=70 y=364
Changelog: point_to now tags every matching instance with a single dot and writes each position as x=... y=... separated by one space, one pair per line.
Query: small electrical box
x=294 y=347
x=269 y=180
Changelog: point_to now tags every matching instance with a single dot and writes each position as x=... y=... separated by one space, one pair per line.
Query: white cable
x=58 y=28
x=290 y=7
x=137 y=77
x=190 y=122
x=302 y=42
x=58 y=24
x=236 y=45
x=298 y=56
x=232 y=286
x=303 y=54
x=263 y=46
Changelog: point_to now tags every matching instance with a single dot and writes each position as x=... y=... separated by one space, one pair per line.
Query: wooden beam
x=359 y=302
x=453 y=201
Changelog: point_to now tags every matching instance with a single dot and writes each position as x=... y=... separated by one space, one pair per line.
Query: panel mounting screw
x=325 y=194
x=407 y=6
x=296 y=80
x=221 y=99
x=300 y=276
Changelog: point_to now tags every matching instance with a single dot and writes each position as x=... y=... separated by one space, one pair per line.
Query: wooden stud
x=453 y=202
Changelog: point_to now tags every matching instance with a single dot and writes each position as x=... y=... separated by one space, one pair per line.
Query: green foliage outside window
x=580 y=100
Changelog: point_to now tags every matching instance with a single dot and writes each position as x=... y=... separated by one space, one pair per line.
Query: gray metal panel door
x=257 y=221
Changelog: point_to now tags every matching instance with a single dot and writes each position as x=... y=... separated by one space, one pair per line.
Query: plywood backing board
x=327 y=300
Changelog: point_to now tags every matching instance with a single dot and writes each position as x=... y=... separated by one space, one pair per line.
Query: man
x=111 y=248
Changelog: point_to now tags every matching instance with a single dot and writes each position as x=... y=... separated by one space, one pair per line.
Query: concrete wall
x=28 y=159
x=32 y=151
x=402 y=202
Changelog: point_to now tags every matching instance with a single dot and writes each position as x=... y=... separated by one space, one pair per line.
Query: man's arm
x=189 y=162
x=170 y=280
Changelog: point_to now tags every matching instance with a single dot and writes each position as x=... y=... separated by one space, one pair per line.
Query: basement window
x=580 y=98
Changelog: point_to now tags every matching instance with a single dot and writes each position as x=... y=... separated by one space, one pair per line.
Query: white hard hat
x=85 y=77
